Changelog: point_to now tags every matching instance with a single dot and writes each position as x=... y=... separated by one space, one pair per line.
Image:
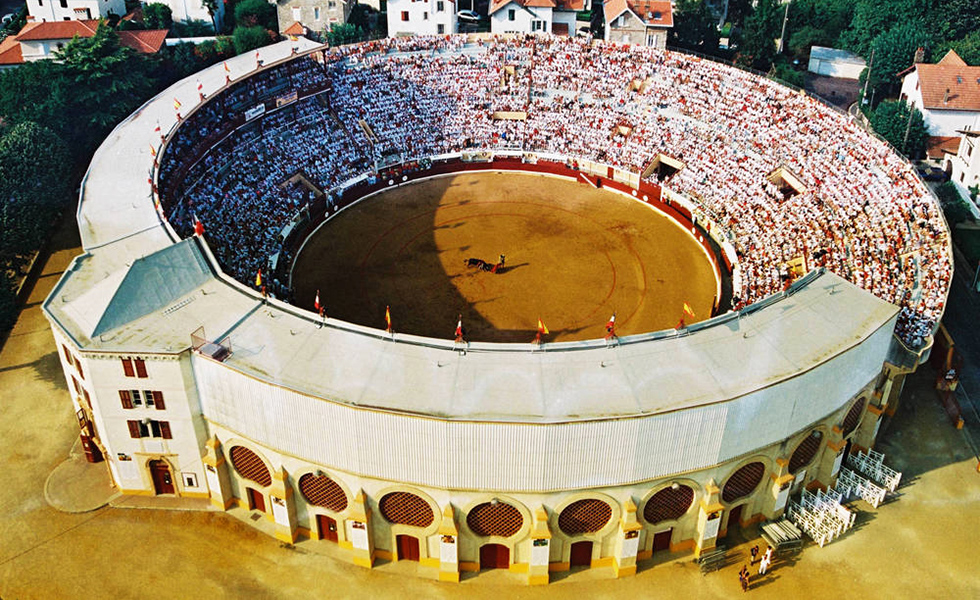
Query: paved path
x=921 y=545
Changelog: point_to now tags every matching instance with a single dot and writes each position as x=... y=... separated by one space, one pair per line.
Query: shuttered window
x=140 y=368
x=165 y=429
x=78 y=367
x=126 y=399
x=158 y=398
x=134 y=429
x=127 y=364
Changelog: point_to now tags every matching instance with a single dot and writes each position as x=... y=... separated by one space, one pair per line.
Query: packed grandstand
x=852 y=204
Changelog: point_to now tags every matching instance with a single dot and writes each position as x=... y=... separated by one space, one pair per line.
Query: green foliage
x=974 y=192
x=8 y=301
x=816 y=22
x=785 y=72
x=954 y=206
x=157 y=16
x=192 y=28
x=247 y=39
x=873 y=18
x=756 y=41
x=955 y=19
x=252 y=13
x=891 y=121
x=361 y=16
x=29 y=196
x=738 y=11
x=343 y=33
x=894 y=51
x=694 y=27
x=211 y=51
x=968 y=48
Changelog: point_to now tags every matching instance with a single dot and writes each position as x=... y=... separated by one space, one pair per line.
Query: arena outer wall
x=533 y=458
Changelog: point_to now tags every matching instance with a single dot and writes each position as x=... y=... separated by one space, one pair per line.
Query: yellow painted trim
x=519 y=568
x=631 y=526
x=346 y=545
x=363 y=562
x=452 y=576
x=784 y=479
x=644 y=554
x=304 y=531
x=836 y=446
x=782 y=462
x=385 y=554
x=558 y=566
x=217 y=503
x=602 y=562
x=538 y=580
x=269 y=517
x=471 y=567
x=682 y=545
x=429 y=562
x=625 y=571
x=710 y=508
x=711 y=489
x=195 y=495
x=138 y=492
x=875 y=410
x=836 y=429
x=284 y=535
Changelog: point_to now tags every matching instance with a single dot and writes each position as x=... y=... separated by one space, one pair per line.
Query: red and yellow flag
x=177 y=104
x=688 y=311
x=258 y=279
x=316 y=301
x=388 y=318
x=542 y=328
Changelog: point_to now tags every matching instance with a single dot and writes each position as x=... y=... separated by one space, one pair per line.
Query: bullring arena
x=808 y=262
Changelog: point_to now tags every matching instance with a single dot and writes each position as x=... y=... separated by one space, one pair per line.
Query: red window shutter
x=78 y=388
x=140 y=368
x=165 y=430
x=67 y=353
x=78 y=366
x=127 y=367
x=158 y=398
x=126 y=398
x=87 y=399
x=134 y=429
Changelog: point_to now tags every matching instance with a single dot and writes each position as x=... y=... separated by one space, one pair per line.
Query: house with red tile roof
x=421 y=17
x=44 y=11
x=313 y=15
x=39 y=41
x=947 y=93
x=536 y=16
x=639 y=22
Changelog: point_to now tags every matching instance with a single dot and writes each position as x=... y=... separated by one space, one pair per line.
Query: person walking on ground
x=743 y=578
x=755 y=554
x=768 y=555
x=763 y=565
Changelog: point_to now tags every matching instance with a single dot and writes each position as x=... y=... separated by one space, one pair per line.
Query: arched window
x=404 y=508
x=743 y=482
x=320 y=490
x=250 y=466
x=495 y=519
x=584 y=516
x=668 y=504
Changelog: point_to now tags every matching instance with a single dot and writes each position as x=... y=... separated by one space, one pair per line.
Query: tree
x=892 y=121
x=954 y=207
x=212 y=7
x=875 y=17
x=247 y=39
x=968 y=48
x=35 y=170
x=157 y=16
x=249 y=13
x=694 y=27
x=956 y=19
x=757 y=39
x=894 y=51
x=343 y=33
x=816 y=22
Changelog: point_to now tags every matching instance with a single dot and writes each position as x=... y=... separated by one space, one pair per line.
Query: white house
x=964 y=166
x=421 y=17
x=639 y=22
x=947 y=93
x=73 y=10
x=194 y=10
x=40 y=40
x=535 y=16
x=833 y=62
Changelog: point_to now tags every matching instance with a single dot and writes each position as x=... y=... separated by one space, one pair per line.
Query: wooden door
x=256 y=501
x=408 y=547
x=327 y=527
x=494 y=556
x=581 y=554
x=661 y=541
x=162 y=480
x=734 y=516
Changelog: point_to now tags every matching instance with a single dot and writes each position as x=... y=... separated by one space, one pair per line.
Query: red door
x=328 y=528
x=408 y=547
x=581 y=554
x=162 y=481
x=494 y=556
x=256 y=501
x=661 y=541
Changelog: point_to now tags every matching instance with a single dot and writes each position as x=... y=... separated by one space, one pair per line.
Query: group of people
x=744 y=576
x=857 y=208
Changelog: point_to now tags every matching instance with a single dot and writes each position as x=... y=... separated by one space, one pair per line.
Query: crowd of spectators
x=858 y=208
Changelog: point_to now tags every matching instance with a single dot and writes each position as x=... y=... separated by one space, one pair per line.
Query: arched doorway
x=734 y=517
x=162 y=480
x=494 y=556
x=327 y=528
x=581 y=554
x=408 y=547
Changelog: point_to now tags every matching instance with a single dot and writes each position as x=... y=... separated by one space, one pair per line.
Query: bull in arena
x=479 y=263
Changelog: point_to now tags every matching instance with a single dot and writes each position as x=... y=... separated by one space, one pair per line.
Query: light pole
x=782 y=36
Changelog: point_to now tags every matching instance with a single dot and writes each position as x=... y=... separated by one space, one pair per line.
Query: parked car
x=470 y=16
x=932 y=174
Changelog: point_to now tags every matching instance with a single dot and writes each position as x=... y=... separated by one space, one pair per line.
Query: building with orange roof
x=639 y=22
x=314 y=15
x=44 y=11
x=946 y=93
x=536 y=16
x=40 y=40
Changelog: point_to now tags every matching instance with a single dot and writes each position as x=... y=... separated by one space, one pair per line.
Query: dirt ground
x=922 y=544
x=574 y=256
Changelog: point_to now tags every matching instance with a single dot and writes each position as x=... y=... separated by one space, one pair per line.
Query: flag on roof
x=388 y=319
x=688 y=311
x=258 y=279
x=199 y=228
x=227 y=70
x=316 y=301
x=157 y=128
x=200 y=87
x=153 y=151
x=177 y=104
x=459 y=328
x=611 y=326
x=542 y=328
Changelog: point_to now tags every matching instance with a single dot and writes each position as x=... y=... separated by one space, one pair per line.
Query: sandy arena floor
x=574 y=256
